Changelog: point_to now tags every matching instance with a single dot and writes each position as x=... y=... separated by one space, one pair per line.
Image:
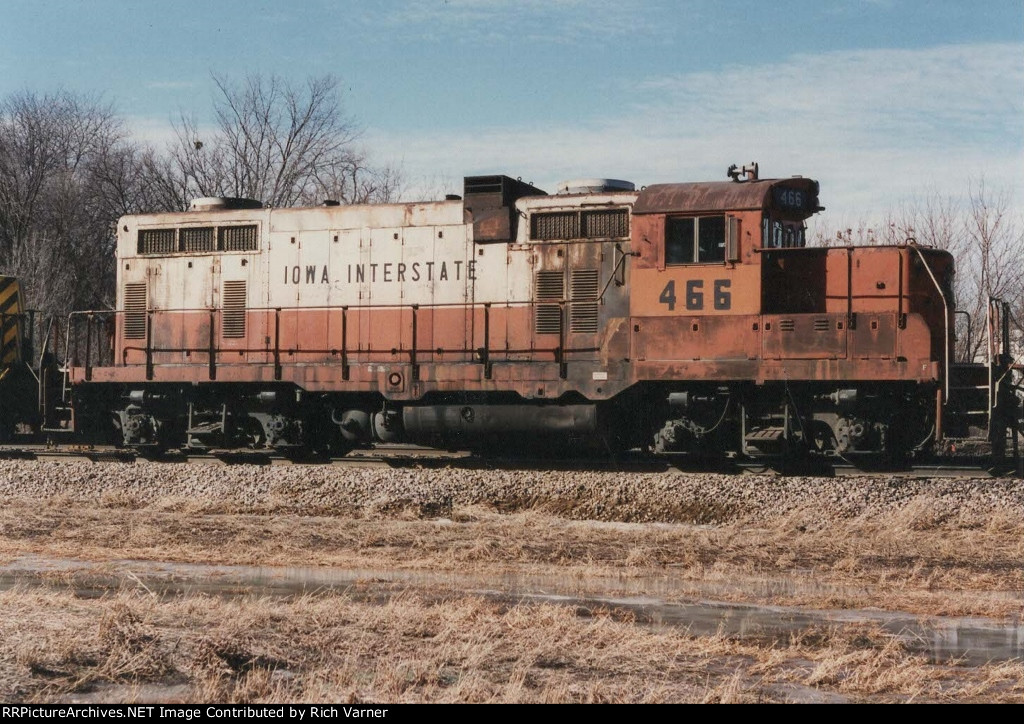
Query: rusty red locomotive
x=687 y=317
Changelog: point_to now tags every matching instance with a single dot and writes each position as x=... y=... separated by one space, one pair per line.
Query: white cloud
x=876 y=127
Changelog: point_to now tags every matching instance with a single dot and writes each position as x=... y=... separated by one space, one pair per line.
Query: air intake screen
x=555 y=225
x=605 y=224
x=233 y=310
x=135 y=311
x=158 y=241
x=197 y=239
x=238 y=238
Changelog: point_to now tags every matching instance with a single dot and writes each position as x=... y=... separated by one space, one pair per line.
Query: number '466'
x=693 y=295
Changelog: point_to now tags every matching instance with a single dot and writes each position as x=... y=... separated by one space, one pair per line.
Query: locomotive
x=686 y=318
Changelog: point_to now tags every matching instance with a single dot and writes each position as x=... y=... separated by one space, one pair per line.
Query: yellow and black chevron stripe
x=10 y=320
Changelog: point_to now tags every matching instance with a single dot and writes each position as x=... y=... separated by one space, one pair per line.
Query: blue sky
x=881 y=100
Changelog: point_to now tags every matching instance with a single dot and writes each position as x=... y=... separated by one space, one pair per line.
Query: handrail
x=945 y=312
x=559 y=351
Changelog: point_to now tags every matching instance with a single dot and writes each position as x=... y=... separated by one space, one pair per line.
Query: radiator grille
x=158 y=241
x=238 y=238
x=135 y=311
x=605 y=224
x=233 y=310
x=197 y=238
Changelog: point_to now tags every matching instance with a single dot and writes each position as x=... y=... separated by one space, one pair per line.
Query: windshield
x=782 y=234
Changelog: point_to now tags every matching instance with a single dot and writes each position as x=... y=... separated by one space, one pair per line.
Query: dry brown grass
x=906 y=560
x=134 y=647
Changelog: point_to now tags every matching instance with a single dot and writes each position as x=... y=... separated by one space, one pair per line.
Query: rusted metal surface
x=342 y=298
x=717 y=196
x=431 y=312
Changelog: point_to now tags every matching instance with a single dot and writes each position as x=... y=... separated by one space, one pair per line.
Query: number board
x=790 y=199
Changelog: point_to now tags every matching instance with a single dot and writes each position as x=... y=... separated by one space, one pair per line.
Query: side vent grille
x=197 y=238
x=590 y=224
x=583 y=310
x=158 y=241
x=135 y=298
x=786 y=325
x=548 y=317
x=238 y=238
x=555 y=225
x=821 y=325
x=584 y=285
x=602 y=224
x=550 y=285
x=233 y=310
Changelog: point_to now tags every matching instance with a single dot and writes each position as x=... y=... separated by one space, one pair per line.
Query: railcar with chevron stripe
x=19 y=389
x=676 y=318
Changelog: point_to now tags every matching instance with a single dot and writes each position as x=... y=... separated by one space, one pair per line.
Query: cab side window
x=699 y=240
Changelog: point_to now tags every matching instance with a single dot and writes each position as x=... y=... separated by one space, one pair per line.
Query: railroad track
x=381 y=456
x=397 y=456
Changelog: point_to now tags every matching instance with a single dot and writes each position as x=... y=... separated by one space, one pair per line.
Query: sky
x=885 y=102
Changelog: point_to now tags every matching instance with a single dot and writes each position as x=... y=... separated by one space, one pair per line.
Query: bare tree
x=991 y=264
x=57 y=175
x=278 y=143
x=68 y=170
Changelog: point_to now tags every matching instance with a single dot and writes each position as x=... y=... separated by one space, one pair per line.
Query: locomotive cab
x=760 y=345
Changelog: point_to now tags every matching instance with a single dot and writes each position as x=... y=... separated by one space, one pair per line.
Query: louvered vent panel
x=158 y=241
x=555 y=225
x=584 y=284
x=787 y=325
x=583 y=318
x=550 y=285
x=583 y=311
x=197 y=238
x=548 y=319
x=135 y=311
x=605 y=224
x=233 y=310
x=821 y=325
x=238 y=238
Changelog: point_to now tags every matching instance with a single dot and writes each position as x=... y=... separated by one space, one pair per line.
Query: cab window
x=694 y=240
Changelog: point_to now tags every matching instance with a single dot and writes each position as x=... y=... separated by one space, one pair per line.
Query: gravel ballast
x=436 y=492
